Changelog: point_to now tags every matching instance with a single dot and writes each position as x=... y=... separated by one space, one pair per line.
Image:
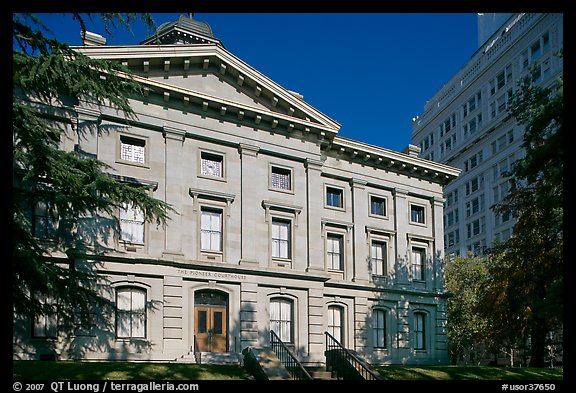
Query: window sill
x=379 y=216
x=208 y=177
x=281 y=190
x=419 y=224
x=133 y=163
x=337 y=208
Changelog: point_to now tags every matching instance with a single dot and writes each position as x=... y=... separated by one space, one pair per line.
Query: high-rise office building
x=466 y=124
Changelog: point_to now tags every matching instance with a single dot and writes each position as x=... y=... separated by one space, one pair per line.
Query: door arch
x=211 y=320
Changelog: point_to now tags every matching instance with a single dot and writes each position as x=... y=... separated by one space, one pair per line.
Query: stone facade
x=280 y=223
x=466 y=124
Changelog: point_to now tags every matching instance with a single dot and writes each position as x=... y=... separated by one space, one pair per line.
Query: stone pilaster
x=174 y=189
x=403 y=329
x=438 y=244
x=314 y=210
x=172 y=315
x=316 y=323
x=360 y=324
x=360 y=249
x=248 y=157
x=401 y=268
x=248 y=315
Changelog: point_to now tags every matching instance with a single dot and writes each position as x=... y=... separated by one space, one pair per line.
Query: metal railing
x=294 y=367
x=345 y=363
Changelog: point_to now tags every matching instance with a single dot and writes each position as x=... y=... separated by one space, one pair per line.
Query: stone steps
x=320 y=372
x=211 y=358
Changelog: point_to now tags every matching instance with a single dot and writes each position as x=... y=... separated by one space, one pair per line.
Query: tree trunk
x=538 y=344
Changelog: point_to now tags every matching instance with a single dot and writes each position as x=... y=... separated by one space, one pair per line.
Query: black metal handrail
x=197 y=353
x=294 y=367
x=345 y=363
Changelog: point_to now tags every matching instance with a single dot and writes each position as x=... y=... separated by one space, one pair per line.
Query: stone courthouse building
x=281 y=224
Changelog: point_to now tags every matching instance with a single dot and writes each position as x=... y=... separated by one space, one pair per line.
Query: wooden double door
x=211 y=323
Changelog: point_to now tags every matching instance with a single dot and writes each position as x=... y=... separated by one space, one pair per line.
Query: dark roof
x=201 y=31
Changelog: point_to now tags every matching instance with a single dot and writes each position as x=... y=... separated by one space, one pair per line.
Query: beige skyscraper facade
x=466 y=124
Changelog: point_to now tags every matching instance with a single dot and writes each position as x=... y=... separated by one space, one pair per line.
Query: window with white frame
x=211 y=164
x=281 y=238
x=45 y=220
x=452 y=238
x=132 y=149
x=419 y=331
x=417 y=214
x=335 y=251
x=131 y=223
x=474 y=184
x=379 y=328
x=336 y=322
x=475 y=228
x=45 y=325
x=418 y=263
x=281 y=315
x=211 y=238
x=378 y=257
x=281 y=178
x=451 y=218
x=535 y=50
x=452 y=198
x=475 y=205
x=130 y=313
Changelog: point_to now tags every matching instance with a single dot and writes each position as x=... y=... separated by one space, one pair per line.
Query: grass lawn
x=468 y=373
x=73 y=370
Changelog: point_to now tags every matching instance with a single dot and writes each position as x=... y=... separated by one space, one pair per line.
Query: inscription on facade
x=209 y=274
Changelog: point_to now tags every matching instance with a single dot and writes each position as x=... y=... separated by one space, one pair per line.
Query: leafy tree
x=524 y=297
x=467 y=329
x=75 y=188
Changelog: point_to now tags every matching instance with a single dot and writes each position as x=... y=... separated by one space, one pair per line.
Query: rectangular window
x=335 y=251
x=211 y=164
x=418 y=258
x=417 y=214
x=281 y=178
x=45 y=325
x=130 y=313
x=535 y=51
x=377 y=206
x=378 y=258
x=379 y=318
x=211 y=230
x=132 y=149
x=334 y=197
x=45 y=221
x=131 y=223
x=281 y=239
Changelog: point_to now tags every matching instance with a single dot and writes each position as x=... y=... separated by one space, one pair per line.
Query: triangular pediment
x=209 y=75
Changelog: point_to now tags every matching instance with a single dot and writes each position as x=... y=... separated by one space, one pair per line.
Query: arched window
x=419 y=330
x=130 y=312
x=336 y=322
x=281 y=319
x=379 y=328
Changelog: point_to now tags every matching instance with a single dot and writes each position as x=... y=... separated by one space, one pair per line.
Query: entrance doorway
x=211 y=321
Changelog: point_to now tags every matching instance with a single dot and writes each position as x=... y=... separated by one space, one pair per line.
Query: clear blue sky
x=371 y=72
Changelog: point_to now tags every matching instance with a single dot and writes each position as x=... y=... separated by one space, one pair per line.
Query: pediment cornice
x=391 y=160
x=284 y=104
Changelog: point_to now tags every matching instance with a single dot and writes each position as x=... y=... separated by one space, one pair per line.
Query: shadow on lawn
x=73 y=370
